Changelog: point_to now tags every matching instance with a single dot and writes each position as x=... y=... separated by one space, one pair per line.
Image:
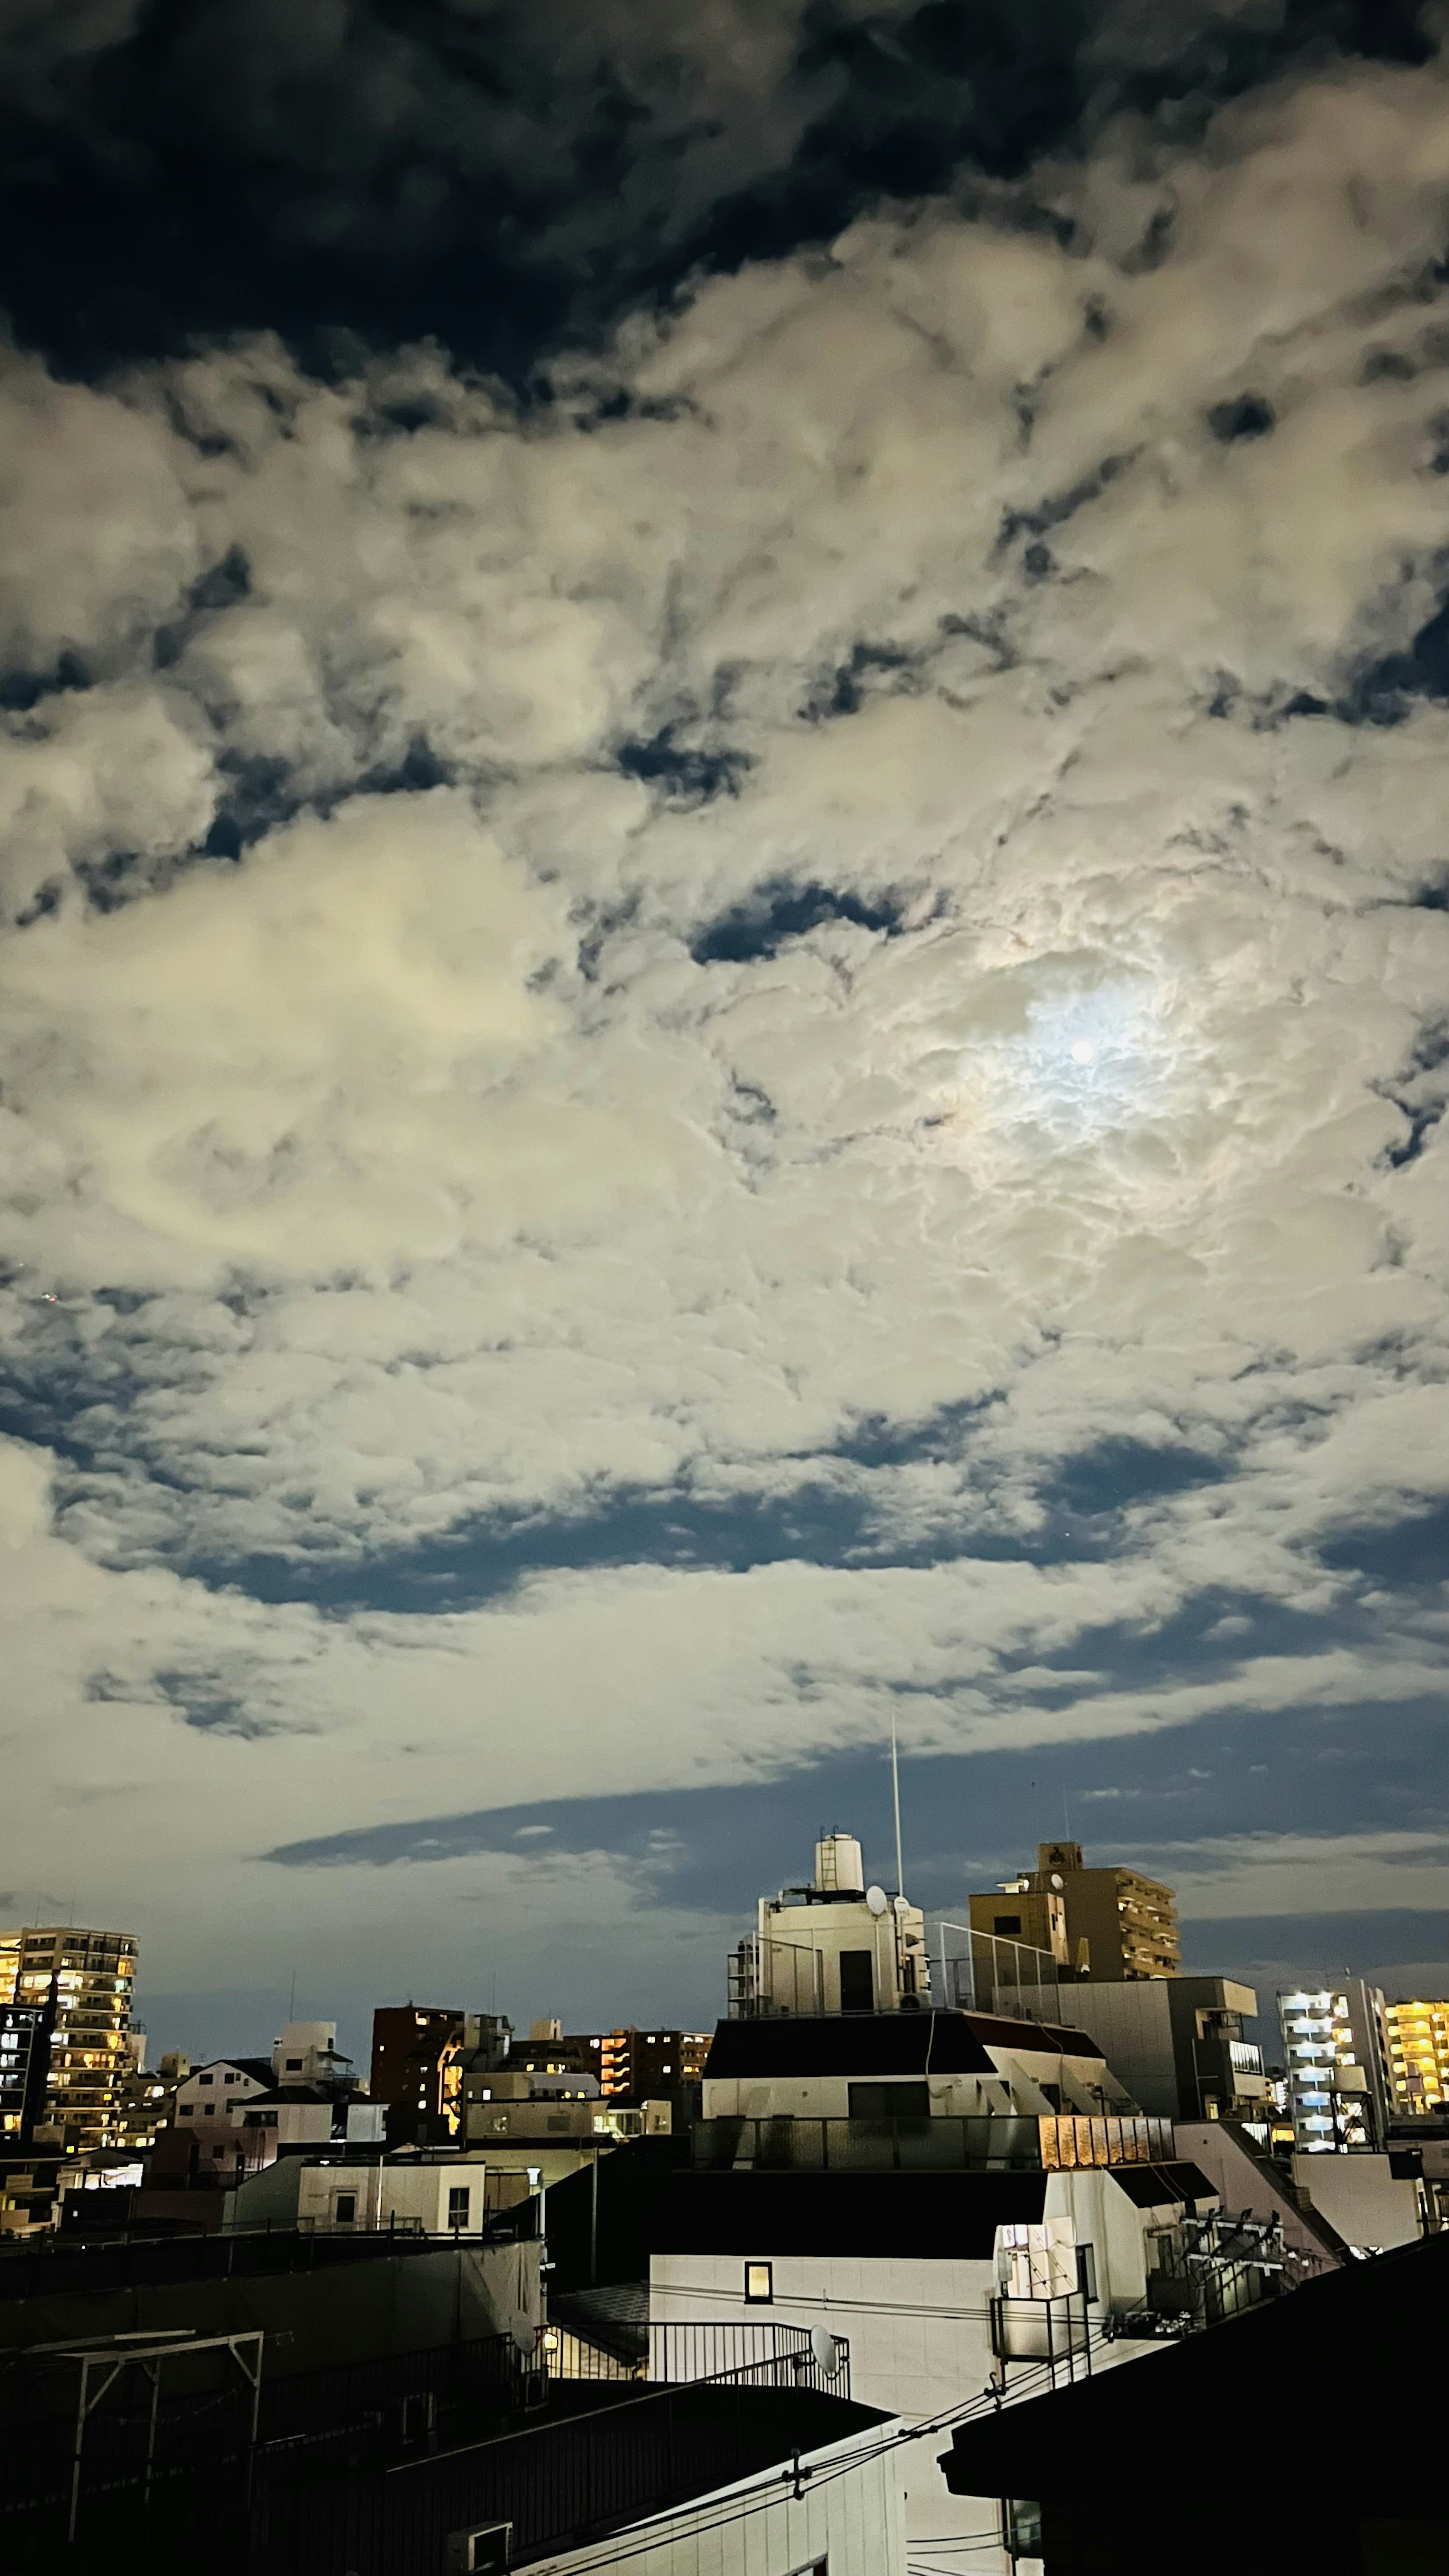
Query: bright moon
x=1082 y=1051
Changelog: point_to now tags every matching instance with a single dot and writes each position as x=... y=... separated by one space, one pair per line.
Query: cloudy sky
x=724 y=997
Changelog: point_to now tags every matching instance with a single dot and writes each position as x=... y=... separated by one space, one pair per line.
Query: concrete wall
x=1132 y=2024
x=850 y=2518
x=1360 y=2198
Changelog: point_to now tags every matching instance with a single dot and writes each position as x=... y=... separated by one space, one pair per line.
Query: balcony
x=999 y=2144
x=1051 y=2330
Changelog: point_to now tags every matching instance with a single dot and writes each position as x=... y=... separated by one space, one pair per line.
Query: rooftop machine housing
x=833 y=1946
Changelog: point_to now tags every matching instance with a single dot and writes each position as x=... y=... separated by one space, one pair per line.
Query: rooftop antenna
x=896 y=1795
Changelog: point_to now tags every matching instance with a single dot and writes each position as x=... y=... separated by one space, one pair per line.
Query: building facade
x=24 y=2069
x=1177 y=2043
x=84 y=1979
x=1416 y=2045
x=943 y=2285
x=1110 y=1923
x=1334 y=2065
x=416 y=2070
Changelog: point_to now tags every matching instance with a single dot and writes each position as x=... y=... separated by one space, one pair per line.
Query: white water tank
x=838 y=1864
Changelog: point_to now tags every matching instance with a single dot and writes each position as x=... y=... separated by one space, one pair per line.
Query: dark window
x=1086 y=2271
x=206 y=2079
x=1008 y=1926
x=292 y=2065
x=857 y=1981
x=1023 y=2527
x=344 y=2208
x=460 y=2201
x=759 y=2284
x=890 y=2101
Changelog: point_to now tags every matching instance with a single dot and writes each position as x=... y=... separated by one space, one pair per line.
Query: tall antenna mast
x=896 y=1795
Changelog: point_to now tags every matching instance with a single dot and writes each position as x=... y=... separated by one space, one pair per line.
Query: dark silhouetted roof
x=1156 y=2186
x=893 y=2043
x=936 y=2216
x=1352 y=2362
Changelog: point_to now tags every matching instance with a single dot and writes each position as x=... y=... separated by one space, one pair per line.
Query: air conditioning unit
x=486 y=2550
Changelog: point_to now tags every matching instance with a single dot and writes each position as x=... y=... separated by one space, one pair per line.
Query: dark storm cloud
x=498 y=175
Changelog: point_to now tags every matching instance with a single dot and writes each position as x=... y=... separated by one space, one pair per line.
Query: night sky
x=724 y=978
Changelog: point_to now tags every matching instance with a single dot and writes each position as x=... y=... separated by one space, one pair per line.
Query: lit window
x=759 y=2284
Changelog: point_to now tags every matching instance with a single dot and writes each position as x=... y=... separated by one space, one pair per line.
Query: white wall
x=1359 y=2197
x=851 y=2519
x=920 y=2341
x=415 y=2195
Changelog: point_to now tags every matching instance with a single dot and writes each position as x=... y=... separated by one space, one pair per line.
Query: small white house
x=441 y=2193
x=214 y=2092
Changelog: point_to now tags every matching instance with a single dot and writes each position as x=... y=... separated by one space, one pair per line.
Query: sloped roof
x=890 y=2043
x=1160 y=2186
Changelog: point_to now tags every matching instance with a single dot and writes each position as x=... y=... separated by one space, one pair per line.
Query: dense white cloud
x=1292 y=1873
x=409 y=1167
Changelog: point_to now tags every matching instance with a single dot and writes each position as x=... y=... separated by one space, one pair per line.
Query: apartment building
x=1333 y=2057
x=84 y=1979
x=416 y=2069
x=1177 y=2042
x=1109 y=1922
x=1416 y=2050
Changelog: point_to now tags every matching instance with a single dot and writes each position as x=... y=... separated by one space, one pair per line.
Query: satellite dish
x=1057 y=1879
x=877 y=1899
x=525 y=2337
x=825 y=2351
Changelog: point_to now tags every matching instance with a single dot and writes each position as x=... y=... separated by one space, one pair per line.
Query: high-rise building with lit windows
x=1416 y=2044
x=84 y=1981
x=1333 y=2059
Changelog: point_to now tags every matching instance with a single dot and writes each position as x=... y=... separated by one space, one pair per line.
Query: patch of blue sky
x=826 y=1515
x=966 y=1819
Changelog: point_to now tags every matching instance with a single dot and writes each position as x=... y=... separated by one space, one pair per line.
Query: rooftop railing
x=996 y=2143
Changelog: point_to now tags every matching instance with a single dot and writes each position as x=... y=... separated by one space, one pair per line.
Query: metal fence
x=58 y=2266
x=567 y=2354
x=765 y=2354
x=989 y=1972
x=121 y=2446
x=988 y=2144
x=1055 y=2331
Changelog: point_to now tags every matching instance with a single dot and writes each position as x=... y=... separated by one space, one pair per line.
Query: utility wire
x=812 y=2480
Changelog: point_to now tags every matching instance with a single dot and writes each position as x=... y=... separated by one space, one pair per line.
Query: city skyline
x=723 y=982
